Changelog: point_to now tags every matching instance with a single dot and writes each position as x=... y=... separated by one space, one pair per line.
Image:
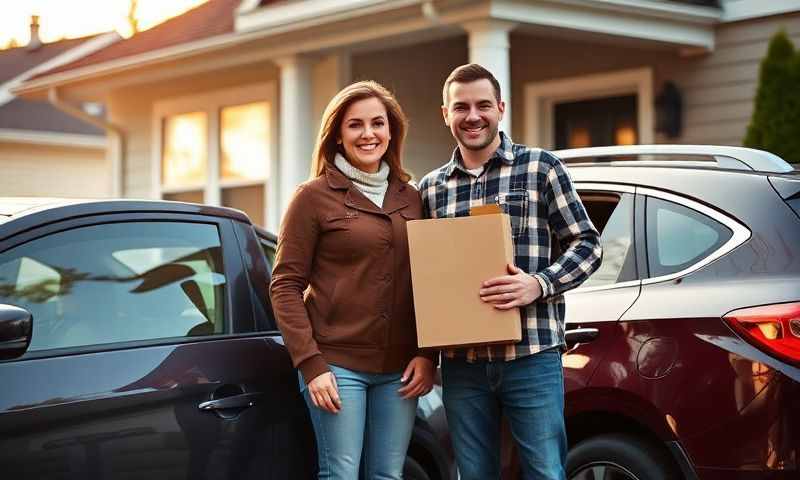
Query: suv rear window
x=678 y=237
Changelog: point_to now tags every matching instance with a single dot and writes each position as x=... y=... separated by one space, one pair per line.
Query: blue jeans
x=374 y=422
x=529 y=391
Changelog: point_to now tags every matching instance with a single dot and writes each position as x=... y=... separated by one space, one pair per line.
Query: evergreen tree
x=775 y=124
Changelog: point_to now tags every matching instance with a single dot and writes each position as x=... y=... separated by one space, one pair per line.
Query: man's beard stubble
x=488 y=141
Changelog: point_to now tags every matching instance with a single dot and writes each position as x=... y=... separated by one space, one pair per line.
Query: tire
x=414 y=471
x=619 y=457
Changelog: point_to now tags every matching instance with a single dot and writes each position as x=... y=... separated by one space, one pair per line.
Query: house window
x=185 y=156
x=244 y=145
x=216 y=148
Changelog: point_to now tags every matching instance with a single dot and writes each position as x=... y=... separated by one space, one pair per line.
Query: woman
x=341 y=288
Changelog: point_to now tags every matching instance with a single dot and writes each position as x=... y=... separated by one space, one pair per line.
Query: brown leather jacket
x=341 y=286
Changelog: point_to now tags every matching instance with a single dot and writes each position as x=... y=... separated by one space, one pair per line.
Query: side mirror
x=15 y=331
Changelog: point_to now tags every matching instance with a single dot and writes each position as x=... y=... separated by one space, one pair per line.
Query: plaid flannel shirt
x=547 y=216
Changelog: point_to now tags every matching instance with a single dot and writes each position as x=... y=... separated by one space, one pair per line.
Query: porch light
x=669 y=111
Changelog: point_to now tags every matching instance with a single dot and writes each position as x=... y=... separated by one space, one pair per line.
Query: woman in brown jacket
x=341 y=288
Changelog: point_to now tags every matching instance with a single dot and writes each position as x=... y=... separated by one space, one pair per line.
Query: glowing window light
x=579 y=137
x=244 y=141
x=625 y=134
x=185 y=156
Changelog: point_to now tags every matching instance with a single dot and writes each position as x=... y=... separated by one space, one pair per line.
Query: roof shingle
x=215 y=17
x=15 y=61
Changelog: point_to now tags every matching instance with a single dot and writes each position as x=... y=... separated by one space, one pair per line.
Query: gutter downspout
x=115 y=134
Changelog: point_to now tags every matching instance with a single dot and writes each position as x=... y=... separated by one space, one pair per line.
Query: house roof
x=15 y=61
x=39 y=116
x=20 y=114
x=210 y=19
x=215 y=17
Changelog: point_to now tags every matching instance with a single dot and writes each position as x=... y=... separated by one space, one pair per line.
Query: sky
x=76 y=18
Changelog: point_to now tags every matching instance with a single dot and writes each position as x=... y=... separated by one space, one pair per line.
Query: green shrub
x=775 y=125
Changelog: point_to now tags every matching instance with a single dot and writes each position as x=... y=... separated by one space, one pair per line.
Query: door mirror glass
x=15 y=331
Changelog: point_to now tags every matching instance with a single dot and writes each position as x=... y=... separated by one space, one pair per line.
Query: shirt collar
x=504 y=152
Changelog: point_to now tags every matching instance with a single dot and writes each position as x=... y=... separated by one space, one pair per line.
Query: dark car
x=137 y=341
x=684 y=356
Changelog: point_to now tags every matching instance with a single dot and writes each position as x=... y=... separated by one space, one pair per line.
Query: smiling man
x=524 y=381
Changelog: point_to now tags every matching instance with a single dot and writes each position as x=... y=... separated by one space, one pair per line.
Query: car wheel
x=618 y=457
x=414 y=471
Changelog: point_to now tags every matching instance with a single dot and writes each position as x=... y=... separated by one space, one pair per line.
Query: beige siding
x=415 y=74
x=132 y=109
x=35 y=170
x=719 y=88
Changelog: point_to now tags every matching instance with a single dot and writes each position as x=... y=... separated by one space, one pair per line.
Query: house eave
x=685 y=26
x=52 y=139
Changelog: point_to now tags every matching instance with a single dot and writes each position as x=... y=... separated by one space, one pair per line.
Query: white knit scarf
x=372 y=185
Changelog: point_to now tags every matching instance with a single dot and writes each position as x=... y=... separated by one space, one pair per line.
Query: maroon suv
x=684 y=357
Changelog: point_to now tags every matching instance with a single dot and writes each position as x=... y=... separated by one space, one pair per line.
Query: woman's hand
x=324 y=392
x=419 y=374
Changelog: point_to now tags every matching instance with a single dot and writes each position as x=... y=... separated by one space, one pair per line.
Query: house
x=43 y=150
x=222 y=104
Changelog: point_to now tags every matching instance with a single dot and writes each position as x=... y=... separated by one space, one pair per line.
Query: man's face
x=473 y=113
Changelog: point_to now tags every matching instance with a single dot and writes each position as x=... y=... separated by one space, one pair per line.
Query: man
x=523 y=381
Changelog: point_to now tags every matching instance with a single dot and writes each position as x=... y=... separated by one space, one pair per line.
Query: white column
x=488 y=46
x=296 y=134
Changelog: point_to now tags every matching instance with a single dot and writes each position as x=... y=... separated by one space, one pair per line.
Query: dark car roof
x=23 y=213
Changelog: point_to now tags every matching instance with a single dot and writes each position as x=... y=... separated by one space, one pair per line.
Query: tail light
x=774 y=329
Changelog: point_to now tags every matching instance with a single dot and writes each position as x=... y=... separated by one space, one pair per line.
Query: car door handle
x=580 y=335
x=244 y=400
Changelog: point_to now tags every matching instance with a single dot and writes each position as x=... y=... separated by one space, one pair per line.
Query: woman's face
x=364 y=134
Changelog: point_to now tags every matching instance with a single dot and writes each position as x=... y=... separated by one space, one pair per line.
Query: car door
x=599 y=302
x=144 y=360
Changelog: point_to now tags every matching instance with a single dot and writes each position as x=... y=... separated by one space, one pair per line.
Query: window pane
x=190 y=197
x=185 y=156
x=245 y=141
x=118 y=282
x=250 y=200
x=613 y=217
x=678 y=237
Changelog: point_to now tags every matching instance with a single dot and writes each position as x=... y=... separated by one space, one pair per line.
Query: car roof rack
x=734 y=158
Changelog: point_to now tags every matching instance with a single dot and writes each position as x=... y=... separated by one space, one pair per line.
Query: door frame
x=541 y=98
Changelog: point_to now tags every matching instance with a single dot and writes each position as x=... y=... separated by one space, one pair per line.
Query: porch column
x=296 y=134
x=488 y=46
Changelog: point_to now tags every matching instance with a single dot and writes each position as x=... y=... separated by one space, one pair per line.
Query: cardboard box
x=450 y=259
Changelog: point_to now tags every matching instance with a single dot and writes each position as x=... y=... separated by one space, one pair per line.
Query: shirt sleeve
x=297 y=242
x=573 y=230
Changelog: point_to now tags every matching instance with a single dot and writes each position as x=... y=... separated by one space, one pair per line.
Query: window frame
x=238 y=309
x=586 y=187
x=211 y=103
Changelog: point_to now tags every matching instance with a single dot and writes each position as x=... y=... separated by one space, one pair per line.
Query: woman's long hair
x=330 y=128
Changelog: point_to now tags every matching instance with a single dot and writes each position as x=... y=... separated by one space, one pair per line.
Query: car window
x=612 y=215
x=678 y=237
x=118 y=282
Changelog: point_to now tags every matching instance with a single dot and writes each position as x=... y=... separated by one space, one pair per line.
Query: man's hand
x=420 y=371
x=517 y=289
x=325 y=393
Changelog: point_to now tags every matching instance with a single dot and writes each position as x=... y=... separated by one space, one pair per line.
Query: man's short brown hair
x=468 y=73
